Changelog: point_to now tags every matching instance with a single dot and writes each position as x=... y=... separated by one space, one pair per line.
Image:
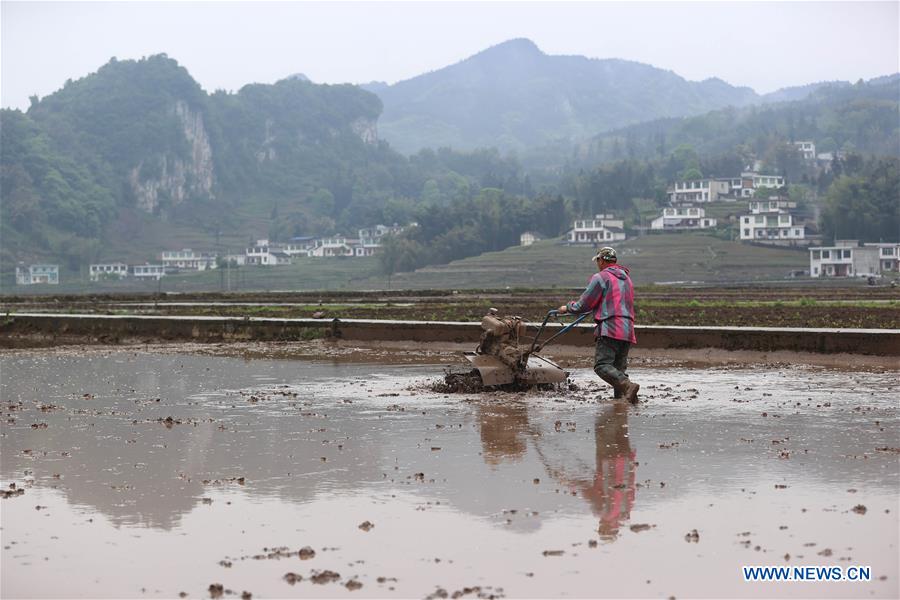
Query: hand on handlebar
x=562 y=309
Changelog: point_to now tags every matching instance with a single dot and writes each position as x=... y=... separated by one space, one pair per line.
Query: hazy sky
x=225 y=45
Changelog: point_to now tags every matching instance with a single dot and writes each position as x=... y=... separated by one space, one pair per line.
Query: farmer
x=610 y=296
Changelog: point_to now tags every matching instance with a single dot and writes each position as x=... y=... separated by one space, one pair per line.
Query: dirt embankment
x=820 y=307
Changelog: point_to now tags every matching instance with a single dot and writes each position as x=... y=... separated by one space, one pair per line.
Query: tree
x=865 y=207
x=692 y=173
x=789 y=162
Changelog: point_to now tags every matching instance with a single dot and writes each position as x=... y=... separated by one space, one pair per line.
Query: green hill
x=837 y=117
x=659 y=258
x=137 y=158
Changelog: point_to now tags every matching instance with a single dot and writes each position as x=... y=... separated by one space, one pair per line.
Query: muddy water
x=149 y=475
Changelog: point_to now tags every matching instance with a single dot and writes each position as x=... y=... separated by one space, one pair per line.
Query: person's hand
x=562 y=309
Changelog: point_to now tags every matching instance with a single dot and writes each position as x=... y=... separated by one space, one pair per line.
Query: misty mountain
x=800 y=92
x=514 y=96
x=858 y=118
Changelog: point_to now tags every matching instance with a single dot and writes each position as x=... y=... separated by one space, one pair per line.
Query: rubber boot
x=630 y=390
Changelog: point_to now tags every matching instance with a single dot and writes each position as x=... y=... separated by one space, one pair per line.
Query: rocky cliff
x=178 y=178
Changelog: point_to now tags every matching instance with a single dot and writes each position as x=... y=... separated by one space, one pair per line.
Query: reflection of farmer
x=502 y=431
x=610 y=490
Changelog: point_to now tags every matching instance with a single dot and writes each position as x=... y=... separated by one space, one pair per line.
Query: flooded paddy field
x=134 y=472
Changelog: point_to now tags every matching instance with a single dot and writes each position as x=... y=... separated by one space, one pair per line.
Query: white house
x=750 y=183
x=888 y=257
x=674 y=218
x=762 y=181
x=35 y=274
x=528 y=238
x=189 y=259
x=370 y=238
x=721 y=188
x=602 y=228
x=807 y=149
x=697 y=190
x=771 y=205
x=265 y=253
x=108 y=271
x=771 y=227
x=298 y=246
x=361 y=248
x=278 y=257
x=373 y=235
x=333 y=246
x=846 y=258
x=148 y=271
x=769 y=222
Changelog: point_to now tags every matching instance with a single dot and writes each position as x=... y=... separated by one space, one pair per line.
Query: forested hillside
x=118 y=164
x=859 y=118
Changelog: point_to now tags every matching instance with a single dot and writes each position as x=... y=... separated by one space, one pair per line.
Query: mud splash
x=455 y=382
x=469 y=382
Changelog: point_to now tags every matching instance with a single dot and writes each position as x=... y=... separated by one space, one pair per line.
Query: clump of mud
x=469 y=382
x=459 y=383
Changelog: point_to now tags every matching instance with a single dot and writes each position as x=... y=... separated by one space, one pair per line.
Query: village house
x=370 y=238
x=298 y=246
x=770 y=205
x=888 y=256
x=373 y=235
x=361 y=248
x=846 y=258
x=600 y=229
x=807 y=149
x=330 y=247
x=99 y=271
x=752 y=183
x=721 y=188
x=189 y=260
x=265 y=253
x=35 y=274
x=528 y=238
x=677 y=218
x=148 y=271
x=770 y=224
x=698 y=190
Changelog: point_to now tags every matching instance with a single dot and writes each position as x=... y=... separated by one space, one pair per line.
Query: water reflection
x=298 y=431
x=607 y=485
x=485 y=485
x=504 y=431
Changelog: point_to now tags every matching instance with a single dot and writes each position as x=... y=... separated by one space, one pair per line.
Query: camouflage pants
x=611 y=360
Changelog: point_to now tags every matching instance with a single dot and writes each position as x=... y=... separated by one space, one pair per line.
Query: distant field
x=657 y=258
x=303 y=274
x=793 y=305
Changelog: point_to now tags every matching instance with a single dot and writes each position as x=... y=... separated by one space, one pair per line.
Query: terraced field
x=651 y=259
